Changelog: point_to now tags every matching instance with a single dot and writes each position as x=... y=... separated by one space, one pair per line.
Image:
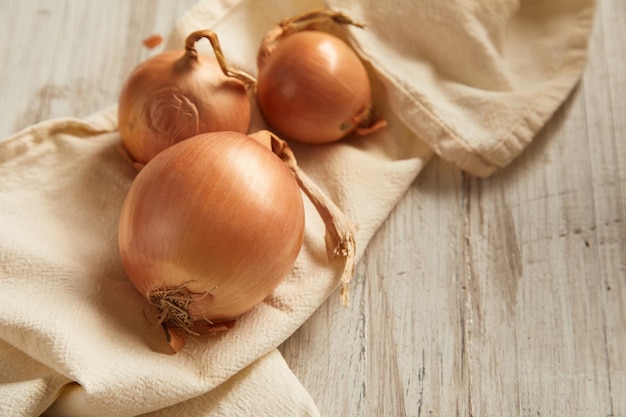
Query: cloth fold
x=471 y=81
x=475 y=80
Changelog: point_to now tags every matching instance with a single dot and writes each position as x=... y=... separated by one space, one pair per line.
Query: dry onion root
x=212 y=225
x=175 y=95
x=312 y=87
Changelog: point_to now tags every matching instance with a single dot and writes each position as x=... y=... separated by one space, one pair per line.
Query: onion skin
x=312 y=87
x=175 y=95
x=218 y=214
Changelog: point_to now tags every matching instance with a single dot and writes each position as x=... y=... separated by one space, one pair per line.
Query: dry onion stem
x=315 y=19
x=340 y=241
x=192 y=53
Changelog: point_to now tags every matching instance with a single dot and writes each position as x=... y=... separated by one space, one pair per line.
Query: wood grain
x=496 y=297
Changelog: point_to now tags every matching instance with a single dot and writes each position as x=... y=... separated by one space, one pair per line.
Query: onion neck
x=264 y=137
x=186 y=62
x=340 y=239
x=191 y=55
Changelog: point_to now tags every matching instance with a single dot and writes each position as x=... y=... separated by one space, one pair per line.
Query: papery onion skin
x=313 y=88
x=172 y=96
x=218 y=213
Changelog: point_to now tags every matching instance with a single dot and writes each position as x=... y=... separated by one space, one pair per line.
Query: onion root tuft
x=173 y=307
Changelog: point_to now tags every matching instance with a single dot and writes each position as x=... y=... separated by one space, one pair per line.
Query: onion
x=311 y=86
x=178 y=94
x=211 y=225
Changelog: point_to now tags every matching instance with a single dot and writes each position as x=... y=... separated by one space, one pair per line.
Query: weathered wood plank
x=70 y=58
x=517 y=302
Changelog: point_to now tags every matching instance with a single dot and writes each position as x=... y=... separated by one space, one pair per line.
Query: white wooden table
x=496 y=297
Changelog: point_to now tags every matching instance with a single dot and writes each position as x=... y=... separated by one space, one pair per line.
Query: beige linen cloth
x=469 y=80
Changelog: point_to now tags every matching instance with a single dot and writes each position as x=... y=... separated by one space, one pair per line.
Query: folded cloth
x=475 y=79
x=472 y=81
